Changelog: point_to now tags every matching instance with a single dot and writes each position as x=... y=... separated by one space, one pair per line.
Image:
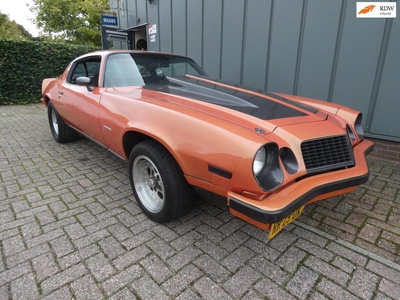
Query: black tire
x=61 y=132
x=158 y=184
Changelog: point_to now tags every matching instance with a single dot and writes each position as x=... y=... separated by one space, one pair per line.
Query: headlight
x=259 y=161
x=266 y=167
x=289 y=160
x=358 y=127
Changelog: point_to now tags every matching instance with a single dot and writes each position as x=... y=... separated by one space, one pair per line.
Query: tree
x=12 y=30
x=75 y=21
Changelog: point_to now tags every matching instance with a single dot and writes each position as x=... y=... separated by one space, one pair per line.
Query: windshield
x=139 y=69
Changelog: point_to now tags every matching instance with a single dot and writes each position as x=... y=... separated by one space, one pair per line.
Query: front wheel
x=158 y=184
x=61 y=132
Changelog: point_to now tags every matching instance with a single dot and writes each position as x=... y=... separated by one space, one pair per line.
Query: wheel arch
x=133 y=137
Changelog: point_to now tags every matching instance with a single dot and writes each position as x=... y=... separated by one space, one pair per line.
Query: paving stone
x=237 y=259
x=146 y=288
x=389 y=288
x=211 y=248
x=347 y=253
x=290 y=259
x=4 y=292
x=28 y=254
x=56 y=281
x=261 y=248
x=212 y=268
x=13 y=245
x=78 y=256
x=183 y=257
x=125 y=294
x=62 y=246
x=185 y=240
x=234 y=241
x=252 y=295
x=138 y=240
x=100 y=267
x=44 y=266
x=269 y=269
x=327 y=270
x=363 y=284
x=334 y=291
x=156 y=268
x=131 y=257
x=61 y=294
x=270 y=290
x=343 y=264
x=75 y=231
x=120 y=232
x=181 y=280
x=15 y=272
x=384 y=271
x=241 y=282
x=302 y=282
x=188 y=294
x=86 y=288
x=311 y=237
x=24 y=288
x=209 y=290
x=212 y=234
x=369 y=233
x=113 y=284
x=314 y=250
x=282 y=241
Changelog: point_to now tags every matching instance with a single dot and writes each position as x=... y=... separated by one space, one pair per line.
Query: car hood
x=255 y=109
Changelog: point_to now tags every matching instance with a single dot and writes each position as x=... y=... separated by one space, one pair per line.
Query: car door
x=79 y=104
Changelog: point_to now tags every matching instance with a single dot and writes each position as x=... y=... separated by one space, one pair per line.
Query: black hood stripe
x=247 y=103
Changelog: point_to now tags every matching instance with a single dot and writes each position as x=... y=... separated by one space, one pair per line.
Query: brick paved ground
x=69 y=229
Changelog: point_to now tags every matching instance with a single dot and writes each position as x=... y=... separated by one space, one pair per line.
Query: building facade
x=312 y=48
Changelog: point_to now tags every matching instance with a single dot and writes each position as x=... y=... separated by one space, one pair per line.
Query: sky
x=18 y=11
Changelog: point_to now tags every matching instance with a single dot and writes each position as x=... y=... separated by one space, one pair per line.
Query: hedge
x=24 y=64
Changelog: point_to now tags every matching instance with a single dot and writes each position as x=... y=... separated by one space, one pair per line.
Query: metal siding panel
x=232 y=40
x=152 y=13
x=179 y=26
x=131 y=7
x=212 y=37
x=386 y=118
x=195 y=30
x=123 y=15
x=165 y=26
x=359 y=53
x=256 y=43
x=318 y=48
x=284 y=45
x=142 y=10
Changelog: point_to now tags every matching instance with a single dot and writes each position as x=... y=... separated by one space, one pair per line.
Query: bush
x=24 y=64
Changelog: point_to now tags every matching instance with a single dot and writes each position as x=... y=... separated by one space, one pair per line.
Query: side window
x=179 y=69
x=87 y=67
x=121 y=70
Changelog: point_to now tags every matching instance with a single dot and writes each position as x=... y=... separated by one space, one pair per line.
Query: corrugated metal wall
x=313 y=48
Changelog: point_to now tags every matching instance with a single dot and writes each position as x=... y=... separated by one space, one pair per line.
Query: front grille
x=327 y=153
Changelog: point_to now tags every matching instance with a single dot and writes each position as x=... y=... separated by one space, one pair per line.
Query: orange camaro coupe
x=268 y=154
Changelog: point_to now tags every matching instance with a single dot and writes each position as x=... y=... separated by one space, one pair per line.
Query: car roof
x=105 y=53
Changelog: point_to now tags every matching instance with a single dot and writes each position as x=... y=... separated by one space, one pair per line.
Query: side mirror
x=84 y=81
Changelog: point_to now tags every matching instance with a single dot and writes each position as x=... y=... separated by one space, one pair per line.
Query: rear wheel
x=158 y=184
x=61 y=132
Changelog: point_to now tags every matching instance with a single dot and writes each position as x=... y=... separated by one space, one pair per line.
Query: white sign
x=152 y=38
x=376 y=9
x=153 y=29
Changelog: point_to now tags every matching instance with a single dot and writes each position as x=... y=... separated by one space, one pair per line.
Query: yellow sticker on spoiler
x=277 y=227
